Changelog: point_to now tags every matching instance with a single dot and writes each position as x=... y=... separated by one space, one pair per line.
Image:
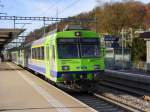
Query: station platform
x=136 y=71
x=21 y=91
x=130 y=75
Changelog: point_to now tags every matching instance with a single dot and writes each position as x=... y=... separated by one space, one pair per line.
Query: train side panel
x=14 y=55
x=36 y=62
x=50 y=60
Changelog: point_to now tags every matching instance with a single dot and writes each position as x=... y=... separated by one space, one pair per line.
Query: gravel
x=124 y=98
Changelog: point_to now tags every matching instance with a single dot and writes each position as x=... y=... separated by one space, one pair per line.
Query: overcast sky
x=46 y=8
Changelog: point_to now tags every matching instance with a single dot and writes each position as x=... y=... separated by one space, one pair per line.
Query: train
x=72 y=58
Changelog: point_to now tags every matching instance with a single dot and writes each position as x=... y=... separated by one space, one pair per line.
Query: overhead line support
x=45 y=19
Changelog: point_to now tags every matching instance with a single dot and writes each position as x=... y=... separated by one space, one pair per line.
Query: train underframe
x=70 y=85
x=81 y=85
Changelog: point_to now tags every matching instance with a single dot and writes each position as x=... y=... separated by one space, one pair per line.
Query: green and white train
x=72 y=58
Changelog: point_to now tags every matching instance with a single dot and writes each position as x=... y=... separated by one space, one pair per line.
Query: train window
x=35 y=53
x=32 y=53
x=53 y=53
x=29 y=53
x=42 y=52
x=47 y=52
x=39 y=53
x=90 y=51
x=38 y=50
x=68 y=51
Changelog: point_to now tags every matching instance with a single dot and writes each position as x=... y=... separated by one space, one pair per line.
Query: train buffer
x=21 y=91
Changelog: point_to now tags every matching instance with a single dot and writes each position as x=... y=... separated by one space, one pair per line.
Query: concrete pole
x=44 y=27
x=57 y=18
x=122 y=32
x=131 y=35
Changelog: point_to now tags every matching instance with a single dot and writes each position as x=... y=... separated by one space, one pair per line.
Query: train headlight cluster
x=96 y=67
x=65 y=67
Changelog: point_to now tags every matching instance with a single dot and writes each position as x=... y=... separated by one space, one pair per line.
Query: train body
x=65 y=58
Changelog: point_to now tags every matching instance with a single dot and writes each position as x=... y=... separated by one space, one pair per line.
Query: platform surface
x=21 y=91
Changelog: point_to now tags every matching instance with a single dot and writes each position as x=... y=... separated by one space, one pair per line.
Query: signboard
x=115 y=45
x=110 y=38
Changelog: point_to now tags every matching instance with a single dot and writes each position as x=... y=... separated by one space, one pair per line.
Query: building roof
x=6 y=35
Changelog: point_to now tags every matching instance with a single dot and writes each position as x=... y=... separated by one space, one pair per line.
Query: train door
x=47 y=61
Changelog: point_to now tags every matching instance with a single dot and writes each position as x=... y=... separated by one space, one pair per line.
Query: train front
x=80 y=60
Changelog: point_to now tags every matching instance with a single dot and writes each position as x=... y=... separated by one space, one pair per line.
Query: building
x=146 y=36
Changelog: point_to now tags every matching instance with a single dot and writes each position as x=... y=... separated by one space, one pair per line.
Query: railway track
x=134 y=93
x=101 y=103
x=133 y=87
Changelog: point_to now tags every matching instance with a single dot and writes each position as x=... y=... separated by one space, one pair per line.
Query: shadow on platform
x=5 y=67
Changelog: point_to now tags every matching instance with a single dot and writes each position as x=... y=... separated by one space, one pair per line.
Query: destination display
x=76 y=40
x=67 y=40
x=89 y=40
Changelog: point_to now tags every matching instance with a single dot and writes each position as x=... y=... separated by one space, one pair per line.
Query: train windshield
x=78 y=47
x=90 y=51
x=90 y=47
x=67 y=51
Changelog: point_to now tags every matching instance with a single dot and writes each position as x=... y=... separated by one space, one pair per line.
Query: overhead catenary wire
x=69 y=6
x=51 y=7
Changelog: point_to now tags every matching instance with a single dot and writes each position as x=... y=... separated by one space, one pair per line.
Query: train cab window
x=68 y=51
x=89 y=48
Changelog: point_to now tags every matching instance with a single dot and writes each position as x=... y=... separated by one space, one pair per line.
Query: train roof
x=39 y=41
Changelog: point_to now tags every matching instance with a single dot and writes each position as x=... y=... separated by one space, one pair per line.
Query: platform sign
x=115 y=45
x=110 y=38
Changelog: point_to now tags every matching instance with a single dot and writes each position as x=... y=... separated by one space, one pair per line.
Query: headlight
x=77 y=33
x=96 y=67
x=65 y=67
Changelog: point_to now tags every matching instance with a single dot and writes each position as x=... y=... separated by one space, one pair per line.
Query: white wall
x=148 y=51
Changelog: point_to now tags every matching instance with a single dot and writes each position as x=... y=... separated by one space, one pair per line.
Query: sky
x=45 y=8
